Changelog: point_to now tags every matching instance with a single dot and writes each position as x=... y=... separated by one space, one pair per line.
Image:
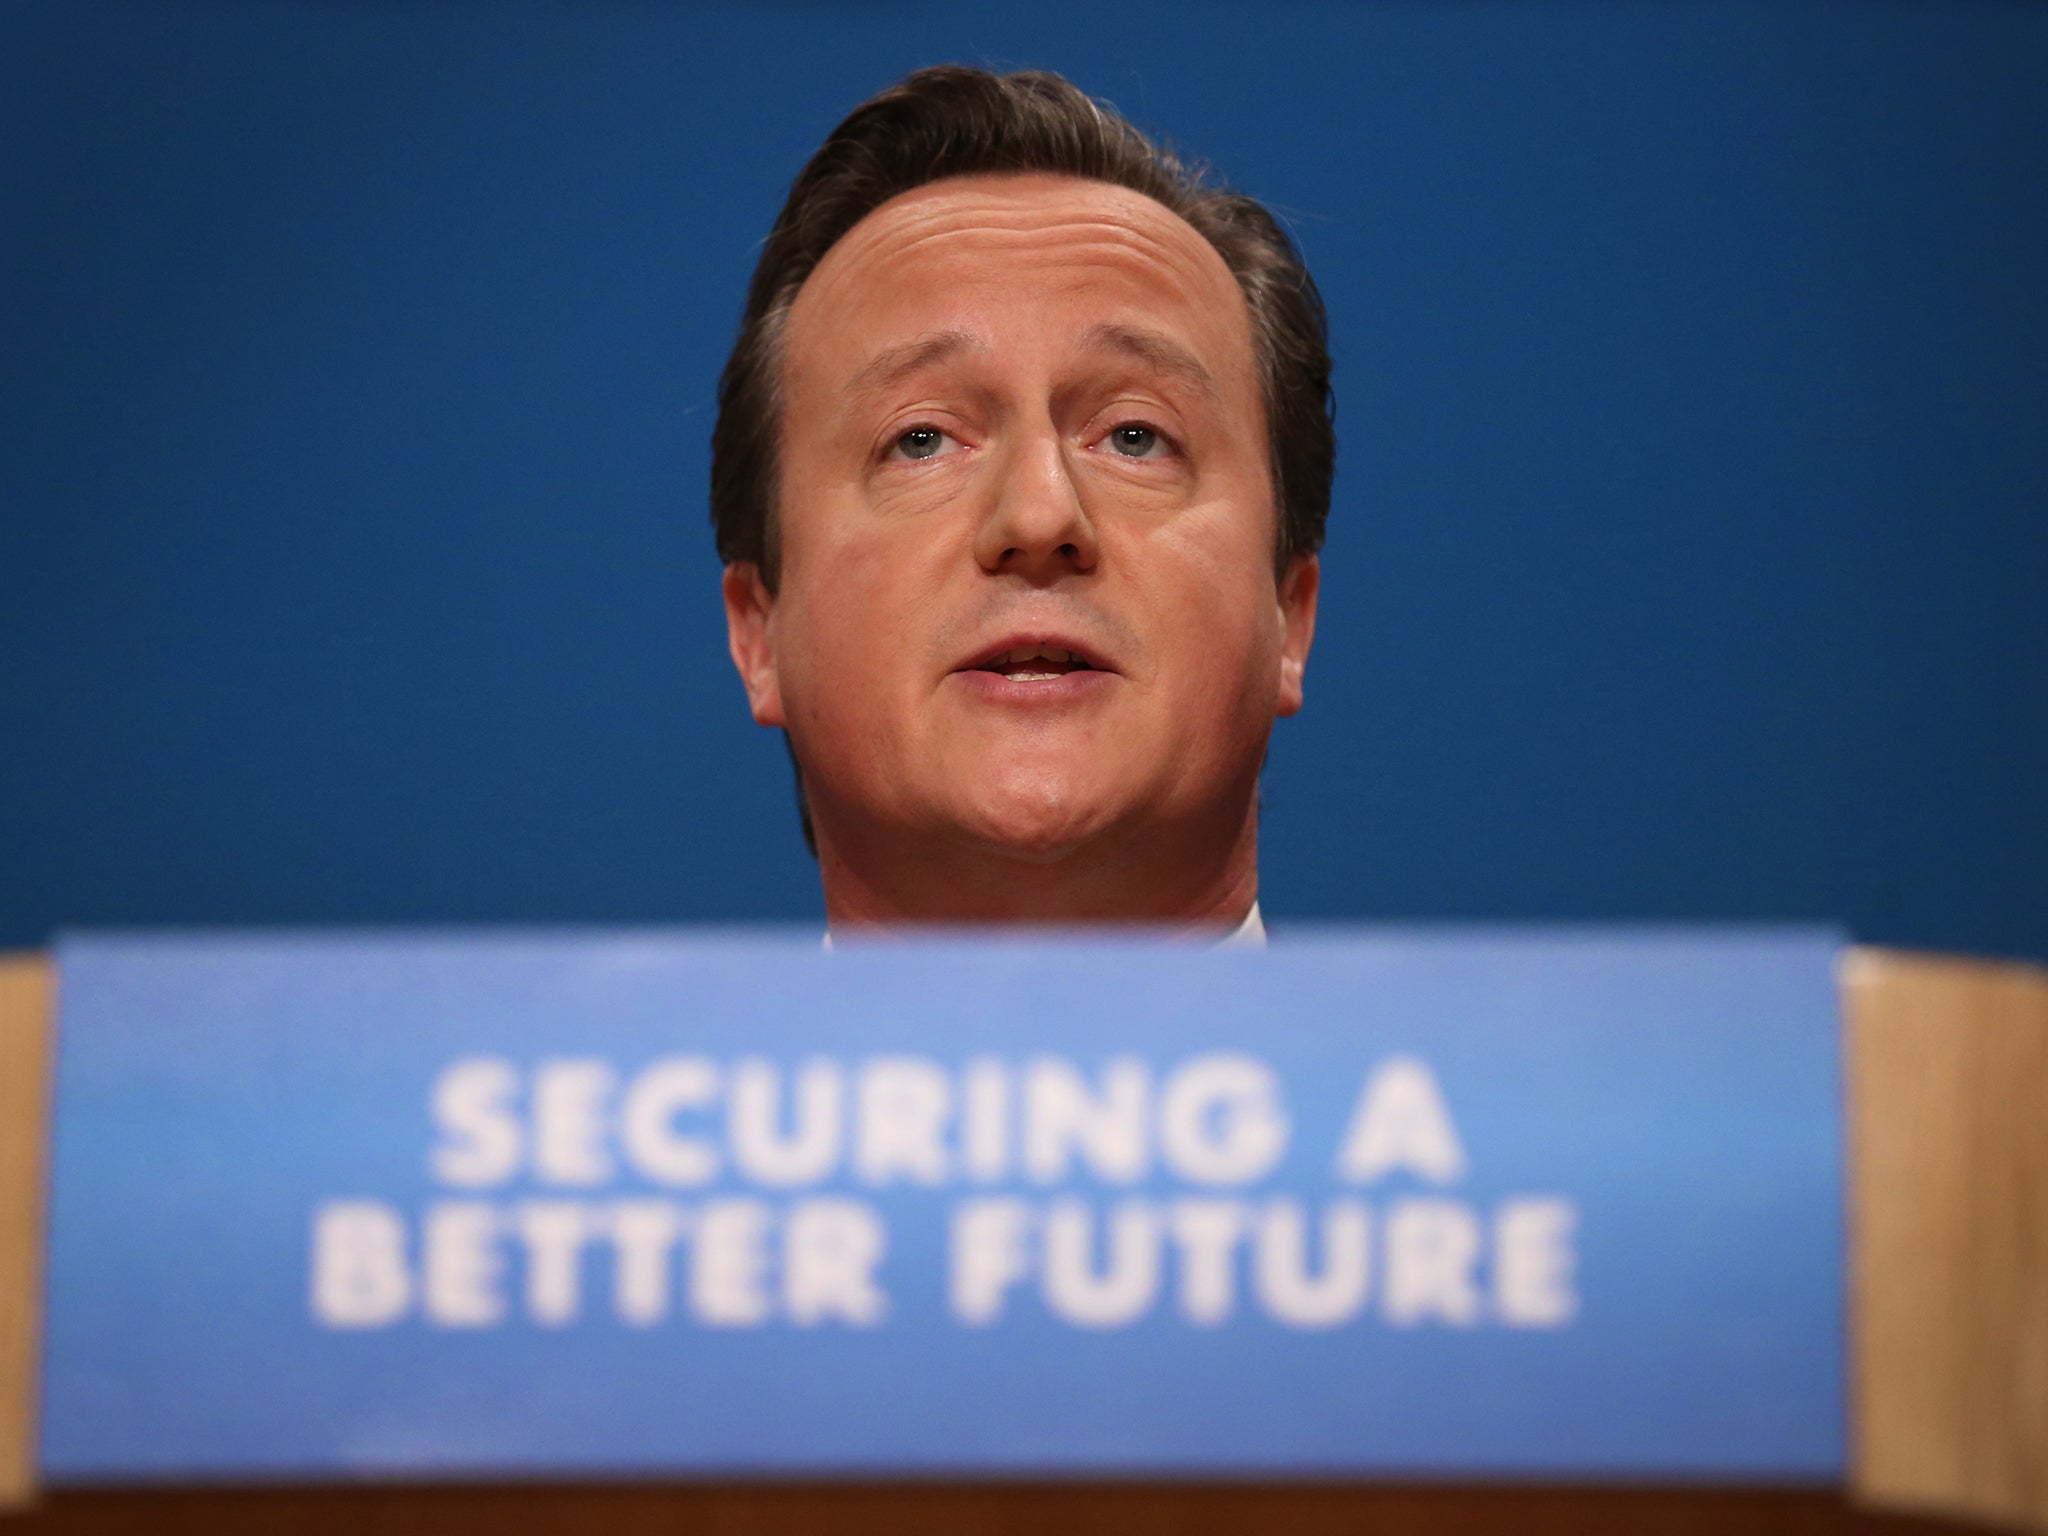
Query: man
x=1021 y=467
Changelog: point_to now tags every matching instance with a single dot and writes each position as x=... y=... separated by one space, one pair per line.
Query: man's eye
x=1135 y=442
x=922 y=443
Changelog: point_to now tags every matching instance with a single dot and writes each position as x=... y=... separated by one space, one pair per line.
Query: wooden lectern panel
x=25 y=997
x=1947 y=1066
x=838 y=1510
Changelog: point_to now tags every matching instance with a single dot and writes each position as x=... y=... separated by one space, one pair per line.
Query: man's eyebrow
x=893 y=363
x=1155 y=349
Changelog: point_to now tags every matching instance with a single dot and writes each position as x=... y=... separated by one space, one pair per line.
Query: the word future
x=1104 y=1196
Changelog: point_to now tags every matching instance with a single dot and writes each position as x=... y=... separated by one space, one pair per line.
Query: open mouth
x=1034 y=663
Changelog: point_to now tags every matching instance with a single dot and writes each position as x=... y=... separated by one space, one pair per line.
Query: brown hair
x=956 y=121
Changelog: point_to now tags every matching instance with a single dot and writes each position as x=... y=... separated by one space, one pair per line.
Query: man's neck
x=1249 y=934
x=1173 y=882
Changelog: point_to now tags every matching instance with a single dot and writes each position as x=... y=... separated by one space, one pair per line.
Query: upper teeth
x=1025 y=653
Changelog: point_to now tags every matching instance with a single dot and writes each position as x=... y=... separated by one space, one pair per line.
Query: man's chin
x=1035 y=827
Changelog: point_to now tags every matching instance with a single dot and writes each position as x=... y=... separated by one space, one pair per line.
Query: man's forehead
x=1018 y=201
x=951 y=239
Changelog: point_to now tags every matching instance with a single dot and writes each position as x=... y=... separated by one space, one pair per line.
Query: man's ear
x=1298 y=587
x=748 y=607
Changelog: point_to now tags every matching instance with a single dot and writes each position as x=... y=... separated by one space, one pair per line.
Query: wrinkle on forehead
x=1023 y=210
x=984 y=223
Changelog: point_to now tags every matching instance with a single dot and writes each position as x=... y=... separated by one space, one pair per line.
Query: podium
x=1946 y=1071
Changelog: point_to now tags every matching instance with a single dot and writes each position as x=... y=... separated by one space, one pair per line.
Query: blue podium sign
x=1367 y=1203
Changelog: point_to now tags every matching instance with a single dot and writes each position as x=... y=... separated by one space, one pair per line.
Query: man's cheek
x=846 y=699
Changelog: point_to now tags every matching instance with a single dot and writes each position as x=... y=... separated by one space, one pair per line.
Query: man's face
x=1027 y=599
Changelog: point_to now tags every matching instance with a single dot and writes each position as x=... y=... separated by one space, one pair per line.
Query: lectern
x=1943 y=1240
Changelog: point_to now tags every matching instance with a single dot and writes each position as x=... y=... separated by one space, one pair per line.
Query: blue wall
x=1691 y=535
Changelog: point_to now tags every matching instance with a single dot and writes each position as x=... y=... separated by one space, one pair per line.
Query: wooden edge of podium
x=26 y=993
x=1946 y=1064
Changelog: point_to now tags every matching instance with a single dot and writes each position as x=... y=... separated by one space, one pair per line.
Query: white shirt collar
x=1249 y=934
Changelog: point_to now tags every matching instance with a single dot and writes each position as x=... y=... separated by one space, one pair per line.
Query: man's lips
x=1036 y=668
x=1037 y=658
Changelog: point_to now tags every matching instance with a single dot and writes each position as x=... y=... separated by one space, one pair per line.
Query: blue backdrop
x=1691 y=531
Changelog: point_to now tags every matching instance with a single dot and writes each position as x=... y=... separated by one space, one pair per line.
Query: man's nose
x=1035 y=525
